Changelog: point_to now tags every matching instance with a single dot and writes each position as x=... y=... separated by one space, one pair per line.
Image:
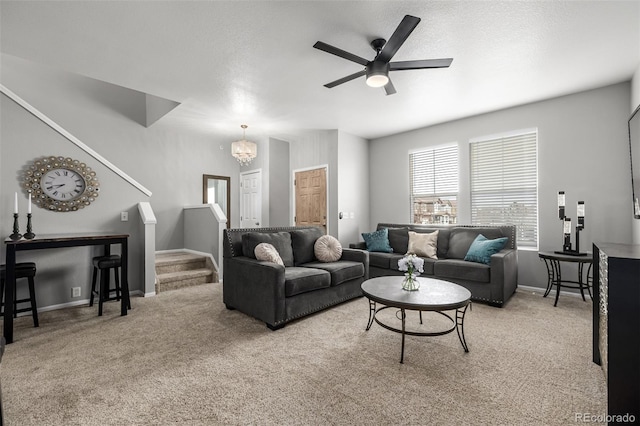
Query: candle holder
x=566 y=229
x=29 y=235
x=16 y=229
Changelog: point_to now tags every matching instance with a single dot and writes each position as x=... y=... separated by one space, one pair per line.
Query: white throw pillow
x=423 y=245
x=267 y=252
x=327 y=249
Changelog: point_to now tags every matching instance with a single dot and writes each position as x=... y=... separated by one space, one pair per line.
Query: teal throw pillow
x=481 y=249
x=378 y=241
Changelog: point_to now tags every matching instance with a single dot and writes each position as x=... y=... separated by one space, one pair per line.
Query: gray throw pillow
x=280 y=240
x=302 y=241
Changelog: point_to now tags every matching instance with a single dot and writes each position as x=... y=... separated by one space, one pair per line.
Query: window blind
x=433 y=177
x=504 y=184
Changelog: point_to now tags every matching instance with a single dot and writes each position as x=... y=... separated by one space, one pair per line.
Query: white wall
x=582 y=149
x=353 y=187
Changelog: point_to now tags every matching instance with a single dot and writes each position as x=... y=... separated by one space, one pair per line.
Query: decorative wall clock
x=61 y=184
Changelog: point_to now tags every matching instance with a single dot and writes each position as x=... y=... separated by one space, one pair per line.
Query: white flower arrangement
x=412 y=265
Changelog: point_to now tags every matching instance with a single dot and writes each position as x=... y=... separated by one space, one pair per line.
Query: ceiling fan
x=377 y=70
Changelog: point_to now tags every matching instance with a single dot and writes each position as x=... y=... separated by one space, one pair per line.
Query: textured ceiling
x=229 y=63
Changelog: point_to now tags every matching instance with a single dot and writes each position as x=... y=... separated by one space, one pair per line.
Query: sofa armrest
x=360 y=245
x=504 y=274
x=356 y=255
x=254 y=287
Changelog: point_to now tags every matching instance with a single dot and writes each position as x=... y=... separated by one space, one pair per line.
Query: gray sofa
x=494 y=283
x=279 y=294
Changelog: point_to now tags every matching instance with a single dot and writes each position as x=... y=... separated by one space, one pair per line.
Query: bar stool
x=104 y=264
x=23 y=270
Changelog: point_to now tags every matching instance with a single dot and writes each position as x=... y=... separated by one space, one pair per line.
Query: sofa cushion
x=327 y=249
x=381 y=260
x=280 y=240
x=378 y=240
x=461 y=238
x=399 y=239
x=299 y=280
x=302 y=241
x=341 y=271
x=268 y=253
x=423 y=245
x=462 y=270
x=482 y=249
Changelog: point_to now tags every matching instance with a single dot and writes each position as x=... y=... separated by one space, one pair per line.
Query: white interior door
x=251 y=199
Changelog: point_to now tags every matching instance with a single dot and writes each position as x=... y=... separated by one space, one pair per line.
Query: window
x=504 y=183
x=433 y=176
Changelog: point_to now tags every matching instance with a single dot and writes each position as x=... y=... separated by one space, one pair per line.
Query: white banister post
x=149 y=222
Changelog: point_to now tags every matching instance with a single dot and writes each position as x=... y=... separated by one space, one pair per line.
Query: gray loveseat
x=279 y=294
x=493 y=283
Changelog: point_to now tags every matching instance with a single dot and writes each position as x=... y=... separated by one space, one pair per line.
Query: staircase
x=181 y=269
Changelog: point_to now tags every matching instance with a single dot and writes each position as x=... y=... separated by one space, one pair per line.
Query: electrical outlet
x=75 y=291
x=124 y=216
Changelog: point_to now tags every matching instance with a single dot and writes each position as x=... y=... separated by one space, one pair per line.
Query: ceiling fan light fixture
x=243 y=150
x=377 y=74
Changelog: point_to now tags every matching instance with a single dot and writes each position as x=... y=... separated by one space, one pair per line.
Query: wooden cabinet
x=616 y=324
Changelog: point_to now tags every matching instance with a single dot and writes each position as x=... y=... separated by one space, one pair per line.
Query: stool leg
x=117 y=277
x=93 y=285
x=101 y=295
x=32 y=297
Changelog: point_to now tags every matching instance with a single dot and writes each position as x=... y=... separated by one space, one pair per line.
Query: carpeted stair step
x=180 y=279
x=181 y=269
x=178 y=261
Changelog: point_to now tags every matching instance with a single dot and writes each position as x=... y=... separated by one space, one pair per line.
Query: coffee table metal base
x=457 y=324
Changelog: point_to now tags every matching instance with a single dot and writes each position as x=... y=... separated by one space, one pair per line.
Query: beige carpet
x=182 y=358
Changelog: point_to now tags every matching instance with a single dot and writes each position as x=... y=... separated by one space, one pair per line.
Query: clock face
x=63 y=184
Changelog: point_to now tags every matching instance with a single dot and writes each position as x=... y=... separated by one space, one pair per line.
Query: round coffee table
x=434 y=295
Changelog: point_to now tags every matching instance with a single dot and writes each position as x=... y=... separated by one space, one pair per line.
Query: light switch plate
x=124 y=216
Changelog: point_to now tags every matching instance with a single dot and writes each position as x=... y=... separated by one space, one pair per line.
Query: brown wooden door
x=311 y=198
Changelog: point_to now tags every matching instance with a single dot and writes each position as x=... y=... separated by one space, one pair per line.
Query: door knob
x=257 y=223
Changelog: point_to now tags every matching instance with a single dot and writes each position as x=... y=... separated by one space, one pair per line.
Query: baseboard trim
x=541 y=290
x=75 y=303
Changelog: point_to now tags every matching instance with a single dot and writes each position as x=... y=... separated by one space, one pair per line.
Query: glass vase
x=410 y=283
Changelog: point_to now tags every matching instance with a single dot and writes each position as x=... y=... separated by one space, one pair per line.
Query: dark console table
x=616 y=324
x=51 y=241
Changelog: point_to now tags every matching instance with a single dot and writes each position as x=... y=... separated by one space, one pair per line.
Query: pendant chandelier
x=243 y=150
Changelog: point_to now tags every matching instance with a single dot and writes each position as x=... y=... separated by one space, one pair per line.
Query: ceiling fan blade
x=341 y=53
x=407 y=25
x=418 y=65
x=345 y=79
x=389 y=89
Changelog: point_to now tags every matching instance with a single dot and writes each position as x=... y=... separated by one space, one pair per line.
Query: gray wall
x=313 y=149
x=635 y=102
x=582 y=149
x=353 y=187
x=279 y=190
x=25 y=138
x=167 y=162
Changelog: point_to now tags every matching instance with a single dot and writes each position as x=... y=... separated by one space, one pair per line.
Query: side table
x=553 y=262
